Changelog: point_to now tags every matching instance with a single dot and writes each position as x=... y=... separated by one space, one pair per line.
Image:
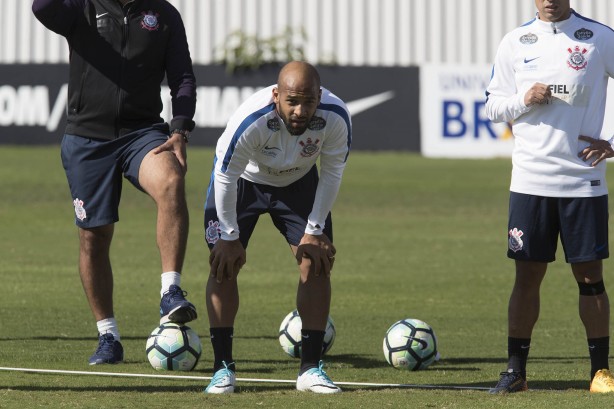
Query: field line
x=206 y=378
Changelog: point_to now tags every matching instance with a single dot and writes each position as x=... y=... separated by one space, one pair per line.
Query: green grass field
x=416 y=237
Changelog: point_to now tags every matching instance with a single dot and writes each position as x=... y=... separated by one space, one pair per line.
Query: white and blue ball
x=410 y=344
x=290 y=335
x=173 y=347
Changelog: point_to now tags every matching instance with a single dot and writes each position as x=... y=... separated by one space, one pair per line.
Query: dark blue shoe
x=175 y=308
x=510 y=382
x=109 y=351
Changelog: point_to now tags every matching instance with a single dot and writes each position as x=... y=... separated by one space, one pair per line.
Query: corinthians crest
x=576 y=59
x=310 y=148
x=150 y=21
x=212 y=232
x=79 y=209
x=514 y=241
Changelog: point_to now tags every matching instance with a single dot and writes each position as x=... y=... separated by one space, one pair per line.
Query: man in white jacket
x=266 y=163
x=550 y=81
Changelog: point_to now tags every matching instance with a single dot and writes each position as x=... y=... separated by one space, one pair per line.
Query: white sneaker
x=223 y=381
x=316 y=380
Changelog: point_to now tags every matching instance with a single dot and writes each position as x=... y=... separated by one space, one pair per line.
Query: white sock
x=108 y=325
x=169 y=278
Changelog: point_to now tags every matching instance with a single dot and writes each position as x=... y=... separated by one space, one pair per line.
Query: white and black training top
x=575 y=57
x=257 y=146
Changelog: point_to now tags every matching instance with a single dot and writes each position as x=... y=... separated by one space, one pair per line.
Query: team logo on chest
x=528 y=38
x=576 y=59
x=273 y=124
x=316 y=123
x=583 y=34
x=150 y=21
x=310 y=148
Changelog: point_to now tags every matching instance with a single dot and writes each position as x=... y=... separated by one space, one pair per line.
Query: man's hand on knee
x=319 y=250
x=226 y=259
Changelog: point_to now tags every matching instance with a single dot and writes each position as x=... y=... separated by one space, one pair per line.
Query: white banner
x=452 y=114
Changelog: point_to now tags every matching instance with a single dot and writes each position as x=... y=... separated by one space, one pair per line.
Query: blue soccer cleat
x=175 y=308
x=223 y=381
x=109 y=351
x=317 y=381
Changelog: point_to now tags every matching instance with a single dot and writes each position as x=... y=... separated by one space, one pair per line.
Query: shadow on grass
x=63 y=338
x=123 y=337
x=353 y=361
x=481 y=387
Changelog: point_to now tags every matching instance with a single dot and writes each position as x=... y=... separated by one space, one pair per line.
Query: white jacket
x=575 y=57
x=256 y=146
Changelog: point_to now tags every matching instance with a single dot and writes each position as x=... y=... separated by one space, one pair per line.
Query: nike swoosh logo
x=100 y=15
x=528 y=61
x=271 y=148
x=360 y=105
x=423 y=343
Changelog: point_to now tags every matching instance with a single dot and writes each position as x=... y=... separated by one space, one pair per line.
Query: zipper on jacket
x=125 y=33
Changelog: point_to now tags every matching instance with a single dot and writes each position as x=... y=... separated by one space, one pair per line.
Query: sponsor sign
x=454 y=123
x=382 y=100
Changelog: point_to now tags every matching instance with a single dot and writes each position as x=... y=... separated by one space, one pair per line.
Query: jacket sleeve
x=607 y=52
x=58 y=16
x=231 y=160
x=180 y=77
x=333 y=158
x=504 y=103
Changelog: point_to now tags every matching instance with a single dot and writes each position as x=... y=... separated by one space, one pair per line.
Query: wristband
x=183 y=132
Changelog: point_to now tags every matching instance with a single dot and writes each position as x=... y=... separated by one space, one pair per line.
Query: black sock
x=221 y=340
x=311 y=349
x=598 y=349
x=518 y=352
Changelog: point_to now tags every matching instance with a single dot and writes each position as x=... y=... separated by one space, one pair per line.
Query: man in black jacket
x=120 y=52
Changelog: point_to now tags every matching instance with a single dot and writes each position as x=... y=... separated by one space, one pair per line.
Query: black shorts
x=94 y=169
x=536 y=222
x=288 y=206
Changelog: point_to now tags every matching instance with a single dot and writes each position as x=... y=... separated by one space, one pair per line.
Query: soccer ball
x=410 y=344
x=173 y=347
x=290 y=335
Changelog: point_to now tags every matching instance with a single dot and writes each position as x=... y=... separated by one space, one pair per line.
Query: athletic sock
x=169 y=278
x=518 y=352
x=108 y=325
x=598 y=349
x=221 y=340
x=311 y=349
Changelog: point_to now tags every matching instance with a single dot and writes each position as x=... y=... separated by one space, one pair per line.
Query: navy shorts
x=94 y=169
x=288 y=206
x=536 y=222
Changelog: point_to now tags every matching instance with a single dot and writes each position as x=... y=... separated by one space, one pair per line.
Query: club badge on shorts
x=213 y=232
x=79 y=209
x=515 y=241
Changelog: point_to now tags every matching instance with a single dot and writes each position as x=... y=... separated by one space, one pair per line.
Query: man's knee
x=591 y=289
